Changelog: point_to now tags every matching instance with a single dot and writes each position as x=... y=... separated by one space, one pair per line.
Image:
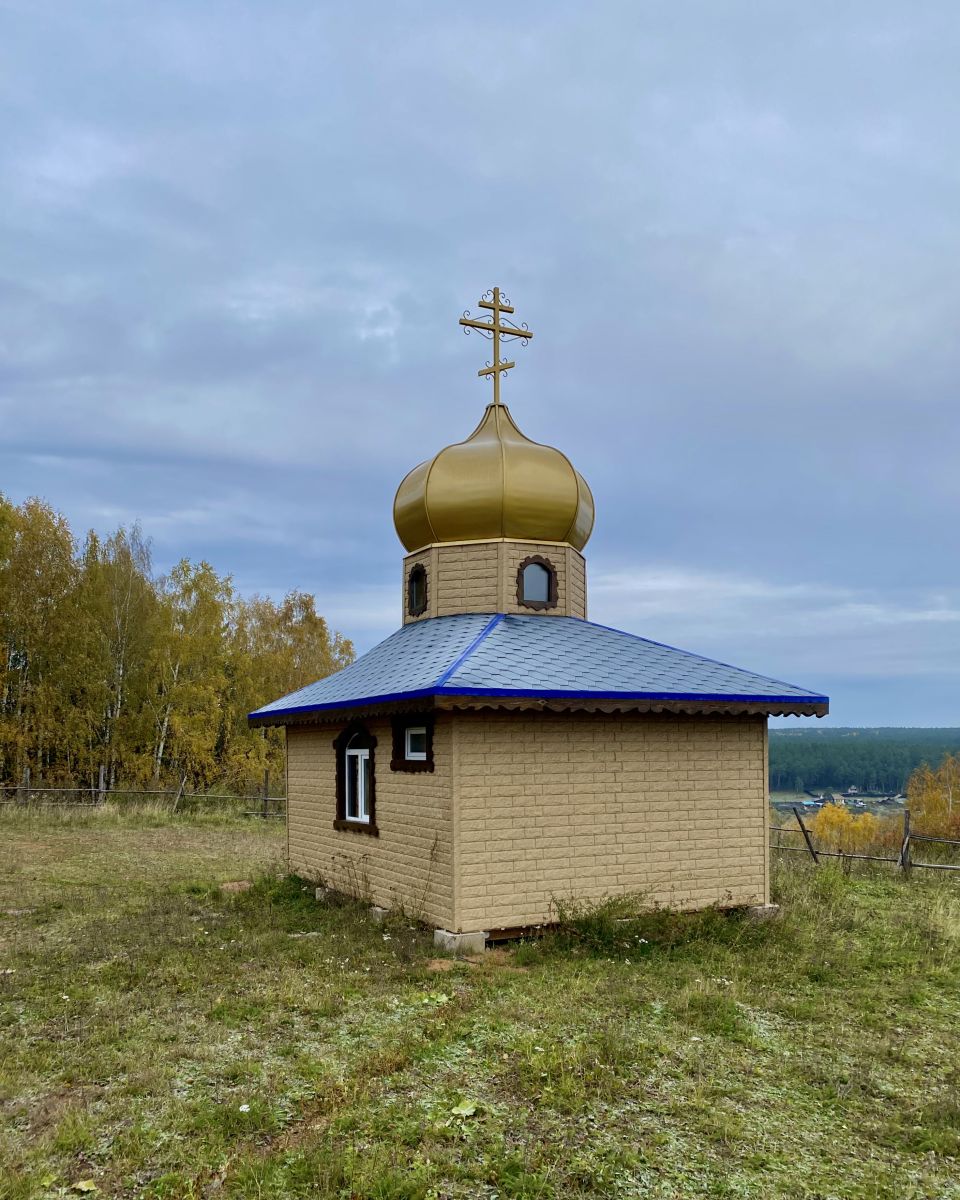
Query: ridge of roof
x=458 y=663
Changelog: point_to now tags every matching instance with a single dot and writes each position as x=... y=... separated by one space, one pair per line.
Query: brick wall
x=410 y=863
x=524 y=807
x=591 y=805
x=465 y=577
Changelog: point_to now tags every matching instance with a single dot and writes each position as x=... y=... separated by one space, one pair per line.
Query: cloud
x=236 y=244
x=831 y=638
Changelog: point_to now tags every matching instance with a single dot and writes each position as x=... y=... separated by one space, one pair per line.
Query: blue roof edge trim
x=712 y=697
x=522 y=694
x=260 y=714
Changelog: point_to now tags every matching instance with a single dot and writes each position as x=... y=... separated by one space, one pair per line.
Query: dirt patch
x=499 y=960
x=53 y=1107
x=238 y=885
x=449 y=964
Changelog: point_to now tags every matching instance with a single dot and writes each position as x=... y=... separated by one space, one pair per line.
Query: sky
x=236 y=240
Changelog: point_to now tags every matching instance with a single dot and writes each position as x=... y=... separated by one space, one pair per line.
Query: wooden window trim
x=366 y=742
x=420 y=609
x=552 y=590
x=401 y=724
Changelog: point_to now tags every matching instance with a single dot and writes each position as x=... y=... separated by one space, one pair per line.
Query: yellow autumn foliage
x=110 y=671
x=934 y=798
x=835 y=827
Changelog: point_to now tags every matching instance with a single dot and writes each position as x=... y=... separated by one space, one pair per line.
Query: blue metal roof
x=479 y=654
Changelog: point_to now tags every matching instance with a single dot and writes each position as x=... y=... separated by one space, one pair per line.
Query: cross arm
x=491 y=327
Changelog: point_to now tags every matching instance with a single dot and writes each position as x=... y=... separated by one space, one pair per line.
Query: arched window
x=417 y=590
x=357 y=792
x=355 y=780
x=536 y=583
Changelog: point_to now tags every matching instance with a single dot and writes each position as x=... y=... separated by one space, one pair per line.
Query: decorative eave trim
x=551 y=701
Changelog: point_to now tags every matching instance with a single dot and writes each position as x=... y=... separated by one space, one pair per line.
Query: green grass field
x=163 y=1038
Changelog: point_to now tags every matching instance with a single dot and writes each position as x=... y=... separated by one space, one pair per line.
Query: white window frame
x=414 y=755
x=357 y=807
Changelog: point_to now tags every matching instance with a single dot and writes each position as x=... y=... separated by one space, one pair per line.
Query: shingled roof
x=560 y=660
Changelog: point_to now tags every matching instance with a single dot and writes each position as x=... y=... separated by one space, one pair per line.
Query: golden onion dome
x=495 y=484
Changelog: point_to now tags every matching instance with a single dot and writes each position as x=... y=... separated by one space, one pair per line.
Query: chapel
x=500 y=751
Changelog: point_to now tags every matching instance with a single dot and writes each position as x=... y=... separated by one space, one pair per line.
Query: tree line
x=873 y=760
x=105 y=665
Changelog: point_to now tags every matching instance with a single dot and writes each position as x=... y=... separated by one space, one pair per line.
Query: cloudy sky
x=235 y=240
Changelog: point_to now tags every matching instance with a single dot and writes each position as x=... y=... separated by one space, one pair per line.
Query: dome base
x=483 y=576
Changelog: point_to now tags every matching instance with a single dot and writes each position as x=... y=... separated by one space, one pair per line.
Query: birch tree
x=105 y=666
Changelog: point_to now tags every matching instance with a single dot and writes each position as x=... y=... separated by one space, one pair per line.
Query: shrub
x=934 y=798
x=836 y=828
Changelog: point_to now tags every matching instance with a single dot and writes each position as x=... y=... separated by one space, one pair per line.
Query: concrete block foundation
x=460 y=943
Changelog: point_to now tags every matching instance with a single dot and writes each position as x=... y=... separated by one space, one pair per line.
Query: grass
x=160 y=1037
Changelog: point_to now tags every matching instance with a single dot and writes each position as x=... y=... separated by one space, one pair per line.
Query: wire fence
x=904 y=859
x=254 y=804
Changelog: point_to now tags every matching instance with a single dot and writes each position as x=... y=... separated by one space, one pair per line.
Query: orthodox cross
x=496 y=328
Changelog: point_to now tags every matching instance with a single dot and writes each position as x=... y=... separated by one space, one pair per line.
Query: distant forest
x=106 y=666
x=875 y=760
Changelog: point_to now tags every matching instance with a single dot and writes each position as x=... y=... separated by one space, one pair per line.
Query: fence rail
x=260 y=804
x=904 y=860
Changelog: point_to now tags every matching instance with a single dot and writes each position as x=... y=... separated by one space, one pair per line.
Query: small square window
x=412 y=743
x=415 y=743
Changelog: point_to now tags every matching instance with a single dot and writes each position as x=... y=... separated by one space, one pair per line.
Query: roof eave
x=553 y=701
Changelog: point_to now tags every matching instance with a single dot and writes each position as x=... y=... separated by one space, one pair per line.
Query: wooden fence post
x=806 y=835
x=904 y=863
x=176 y=799
x=102 y=785
x=266 y=790
x=24 y=796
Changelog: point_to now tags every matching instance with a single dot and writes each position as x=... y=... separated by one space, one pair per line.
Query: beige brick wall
x=464 y=577
x=525 y=807
x=592 y=805
x=410 y=863
x=576 y=569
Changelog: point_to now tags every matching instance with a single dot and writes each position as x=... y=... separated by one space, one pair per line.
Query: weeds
x=630 y=927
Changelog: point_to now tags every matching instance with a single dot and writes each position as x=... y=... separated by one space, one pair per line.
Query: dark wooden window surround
x=551 y=600
x=417 y=582
x=365 y=741
x=401 y=724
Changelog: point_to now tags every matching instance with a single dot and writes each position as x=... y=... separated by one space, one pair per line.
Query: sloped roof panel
x=531 y=656
x=566 y=654
x=409 y=661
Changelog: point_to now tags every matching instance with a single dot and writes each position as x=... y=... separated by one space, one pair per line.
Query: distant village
x=853 y=797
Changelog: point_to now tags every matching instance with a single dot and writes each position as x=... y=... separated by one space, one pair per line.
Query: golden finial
x=496 y=329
